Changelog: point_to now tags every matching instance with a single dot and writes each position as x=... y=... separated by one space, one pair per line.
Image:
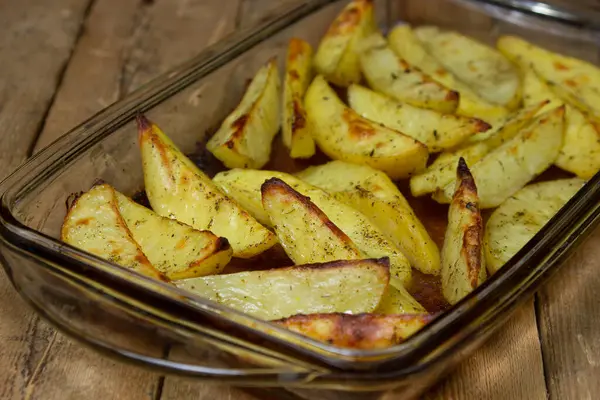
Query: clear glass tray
x=157 y=325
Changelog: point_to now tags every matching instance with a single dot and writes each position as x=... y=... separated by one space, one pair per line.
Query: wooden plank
x=126 y=44
x=508 y=366
x=570 y=330
x=36 y=40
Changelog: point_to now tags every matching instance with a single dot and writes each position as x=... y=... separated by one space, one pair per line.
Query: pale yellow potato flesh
x=580 y=153
x=375 y=195
x=177 y=189
x=443 y=169
x=94 y=224
x=342 y=134
x=244 y=187
x=295 y=131
x=337 y=57
x=341 y=286
x=577 y=82
x=506 y=169
x=363 y=331
x=463 y=263
x=245 y=136
x=397 y=300
x=436 y=130
x=175 y=249
x=483 y=68
x=407 y=46
x=521 y=216
x=304 y=231
x=393 y=76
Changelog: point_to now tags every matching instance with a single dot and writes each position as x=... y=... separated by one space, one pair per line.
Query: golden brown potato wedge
x=463 y=265
x=362 y=331
x=521 y=216
x=337 y=55
x=342 y=134
x=505 y=170
x=397 y=300
x=575 y=81
x=177 y=189
x=304 y=231
x=489 y=74
x=395 y=77
x=94 y=224
x=341 y=286
x=175 y=249
x=295 y=130
x=405 y=44
x=443 y=169
x=374 y=194
x=244 y=186
x=244 y=139
x=580 y=153
x=436 y=130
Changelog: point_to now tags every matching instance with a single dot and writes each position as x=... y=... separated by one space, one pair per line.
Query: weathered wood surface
x=67 y=59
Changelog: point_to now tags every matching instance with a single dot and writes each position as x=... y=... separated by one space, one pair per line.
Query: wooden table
x=63 y=60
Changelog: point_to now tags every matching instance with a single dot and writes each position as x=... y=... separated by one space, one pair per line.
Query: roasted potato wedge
x=397 y=300
x=436 y=130
x=295 y=131
x=362 y=331
x=342 y=134
x=580 y=153
x=505 y=170
x=244 y=186
x=177 y=189
x=374 y=194
x=443 y=169
x=244 y=139
x=304 y=231
x=337 y=55
x=341 y=286
x=575 y=81
x=393 y=76
x=521 y=216
x=489 y=74
x=407 y=46
x=94 y=224
x=463 y=265
x=175 y=249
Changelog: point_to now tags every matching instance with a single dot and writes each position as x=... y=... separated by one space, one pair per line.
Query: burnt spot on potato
x=358 y=127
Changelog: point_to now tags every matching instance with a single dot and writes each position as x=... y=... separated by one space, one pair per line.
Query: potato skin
x=463 y=266
x=361 y=331
x=300 y=224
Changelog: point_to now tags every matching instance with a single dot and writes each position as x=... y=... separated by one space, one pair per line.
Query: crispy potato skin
x=177 y=189
x=244 y=139
x=362 y=331
x=296 y=133
x=521 y=216
x=300 y=224
x=354 y=286
x=462 y=254
x=337 y=55
x=344 y=135
x=94 y=224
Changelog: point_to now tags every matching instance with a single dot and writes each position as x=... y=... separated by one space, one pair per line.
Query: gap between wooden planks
x=124 y=44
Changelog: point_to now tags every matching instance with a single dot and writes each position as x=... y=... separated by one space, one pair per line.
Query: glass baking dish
x=127 y=315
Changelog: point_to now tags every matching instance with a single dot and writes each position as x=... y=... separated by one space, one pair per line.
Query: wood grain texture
x=125 y=44
x=509 y=366
x=568 y=308
x=36 y=41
